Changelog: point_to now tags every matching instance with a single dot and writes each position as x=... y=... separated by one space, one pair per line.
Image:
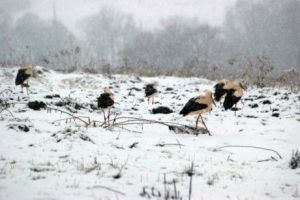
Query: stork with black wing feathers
x=198 y=106
x=105 y=102
x=151 y=91
x=23 y=76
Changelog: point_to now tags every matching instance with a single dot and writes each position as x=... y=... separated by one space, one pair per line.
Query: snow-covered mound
x=44 y=155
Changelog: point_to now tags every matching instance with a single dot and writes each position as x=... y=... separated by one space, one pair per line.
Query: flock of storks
x=231 y=90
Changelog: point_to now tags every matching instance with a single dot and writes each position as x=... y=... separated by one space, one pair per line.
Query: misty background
x=213 y=38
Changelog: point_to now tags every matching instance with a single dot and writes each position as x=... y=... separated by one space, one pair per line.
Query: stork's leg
x=152 y=100
x=108 y=116
x=197 y=121
x=27 y=88
x=235 y=110
x=205 y=125
x=104 y=117
x=242 y=101
x=148 y=100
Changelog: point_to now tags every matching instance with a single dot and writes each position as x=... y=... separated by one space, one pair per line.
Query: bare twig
x=136 y=119
x=191 y=180
x=87 y=123
x=133 y=145
x=7 y=110
x=90 y=169
x=175 y=190
x=169 y=144
x=145 y=193
x=109 y=189
x=269 y=159
x=255 y=147
x=179 y=143
x=165 y=187
x=121 y=127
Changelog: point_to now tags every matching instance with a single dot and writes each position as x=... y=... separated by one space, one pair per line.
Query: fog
x=206 y=37
x=147 y=13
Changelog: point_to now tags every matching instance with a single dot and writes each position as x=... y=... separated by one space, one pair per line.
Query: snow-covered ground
x=55 y=161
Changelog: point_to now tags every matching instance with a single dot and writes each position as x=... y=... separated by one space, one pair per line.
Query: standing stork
x=23 y=75
x=105 y=102
x=151 y=91
x=233 y=96
x=198 y=106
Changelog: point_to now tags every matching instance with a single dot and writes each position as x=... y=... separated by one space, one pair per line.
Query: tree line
x=253 y=32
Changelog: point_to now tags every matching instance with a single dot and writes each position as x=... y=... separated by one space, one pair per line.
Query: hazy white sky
x=147 y=13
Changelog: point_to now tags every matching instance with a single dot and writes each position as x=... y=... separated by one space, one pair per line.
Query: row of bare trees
x=257 y=39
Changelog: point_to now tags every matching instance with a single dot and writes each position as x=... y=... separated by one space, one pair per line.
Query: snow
x=51 y=161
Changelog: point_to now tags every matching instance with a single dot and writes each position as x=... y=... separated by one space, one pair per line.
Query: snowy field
x=66 y=160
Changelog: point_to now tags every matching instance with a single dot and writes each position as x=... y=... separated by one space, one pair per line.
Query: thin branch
x=133 y=131
x=7 y=110
x=191 y=180
x=72 y=116
x=109 y=189
x=170 y=144
x=136 y=119
x=269 y=159
x=254 y=147
x=175 y=190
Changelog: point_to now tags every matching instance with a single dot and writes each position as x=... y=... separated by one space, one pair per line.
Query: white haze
x=162 y=34
x=147 y=13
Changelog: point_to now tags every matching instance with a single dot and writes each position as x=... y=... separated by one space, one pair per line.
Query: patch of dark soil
x=285 y=97
x=36 y=105
x=251 y=116
x=254 y=105
x=135 y=89
x=23 y=128
x=49 y=96
x=261 y=97
x=266 y=102
x=162 y=110
x=78 y=106
x=275 y=115
x=248 y=99
x=295 y=160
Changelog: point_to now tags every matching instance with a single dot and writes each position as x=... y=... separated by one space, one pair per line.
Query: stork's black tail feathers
x=192 y=106
x=150 y=90
x=105 y=101
x=184 y=112
x=230 y=100
x=21 y=77
x=219 y=91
